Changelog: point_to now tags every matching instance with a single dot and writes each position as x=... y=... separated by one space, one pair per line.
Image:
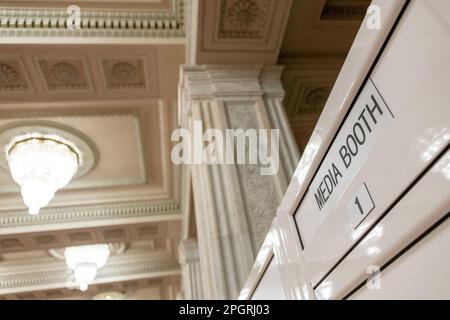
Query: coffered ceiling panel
x=115 y=137
x=154 y=234
x=121 y=98
x=140 y=289
x=131 y=149
x=84 y=72
x=128 y=268
x=13 y=76
x=64 y=74
x=237 y=31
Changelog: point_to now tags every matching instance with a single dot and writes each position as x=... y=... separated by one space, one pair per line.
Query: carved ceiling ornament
x=64 y=74
x=243 y=13
x=8 y=74
x=59 y=277
x=9 y=243
x=243 y=19
x=124 y=74
x=125 y=23
x=315 y=100
x=11 y=75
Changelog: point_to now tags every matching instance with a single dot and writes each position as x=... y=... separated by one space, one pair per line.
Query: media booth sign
x=358 y=134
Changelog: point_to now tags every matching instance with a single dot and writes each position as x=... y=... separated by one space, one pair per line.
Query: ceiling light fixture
x=85 y=261
x=41 y=164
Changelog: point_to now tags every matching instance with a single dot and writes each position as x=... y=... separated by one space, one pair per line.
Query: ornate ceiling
x=101 y=19
x=120 y=98
x=114 y=82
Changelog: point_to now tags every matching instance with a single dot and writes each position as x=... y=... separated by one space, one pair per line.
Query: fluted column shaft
x=234 y=203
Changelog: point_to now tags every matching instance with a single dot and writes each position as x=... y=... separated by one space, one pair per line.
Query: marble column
x=190 y=270
x=234 y=204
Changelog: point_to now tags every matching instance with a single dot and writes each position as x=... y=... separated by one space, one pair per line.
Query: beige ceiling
x=322 y=26
x=122 y=98
x=115 y=81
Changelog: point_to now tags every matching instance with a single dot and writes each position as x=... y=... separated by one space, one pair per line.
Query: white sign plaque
x=360 y=206
x=351 y=147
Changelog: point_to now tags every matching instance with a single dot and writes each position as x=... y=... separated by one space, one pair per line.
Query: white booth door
x=380 y=197
x=269 y=286
x=395 y=130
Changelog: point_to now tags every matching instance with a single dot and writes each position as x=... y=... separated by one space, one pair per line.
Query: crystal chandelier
x=85 y=261
x=41 y=164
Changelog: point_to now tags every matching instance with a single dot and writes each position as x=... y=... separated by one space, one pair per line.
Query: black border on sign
x=262 y=275
x=384 y=101
x=367 y=77
x=371 y=209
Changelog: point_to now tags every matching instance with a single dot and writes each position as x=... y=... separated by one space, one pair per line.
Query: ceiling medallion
x=317 y=98
x=65 y=72
x=7 y=74
x=43 y=159
x=124 y=72
x=243 y=13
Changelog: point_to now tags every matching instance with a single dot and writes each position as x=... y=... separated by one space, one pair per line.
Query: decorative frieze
x=61 y=277
x=12 y=77
x=19 y=22
x=17 y=218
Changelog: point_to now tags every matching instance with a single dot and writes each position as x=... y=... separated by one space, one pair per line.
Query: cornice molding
x=62 y=278
x=94 y=23
x=18 y=218
x=209 y=81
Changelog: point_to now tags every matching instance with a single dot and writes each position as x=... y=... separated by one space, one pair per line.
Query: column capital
x=188 y=251
x=222 y=81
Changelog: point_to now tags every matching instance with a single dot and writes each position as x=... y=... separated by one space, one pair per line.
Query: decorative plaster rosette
x=8 y=74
